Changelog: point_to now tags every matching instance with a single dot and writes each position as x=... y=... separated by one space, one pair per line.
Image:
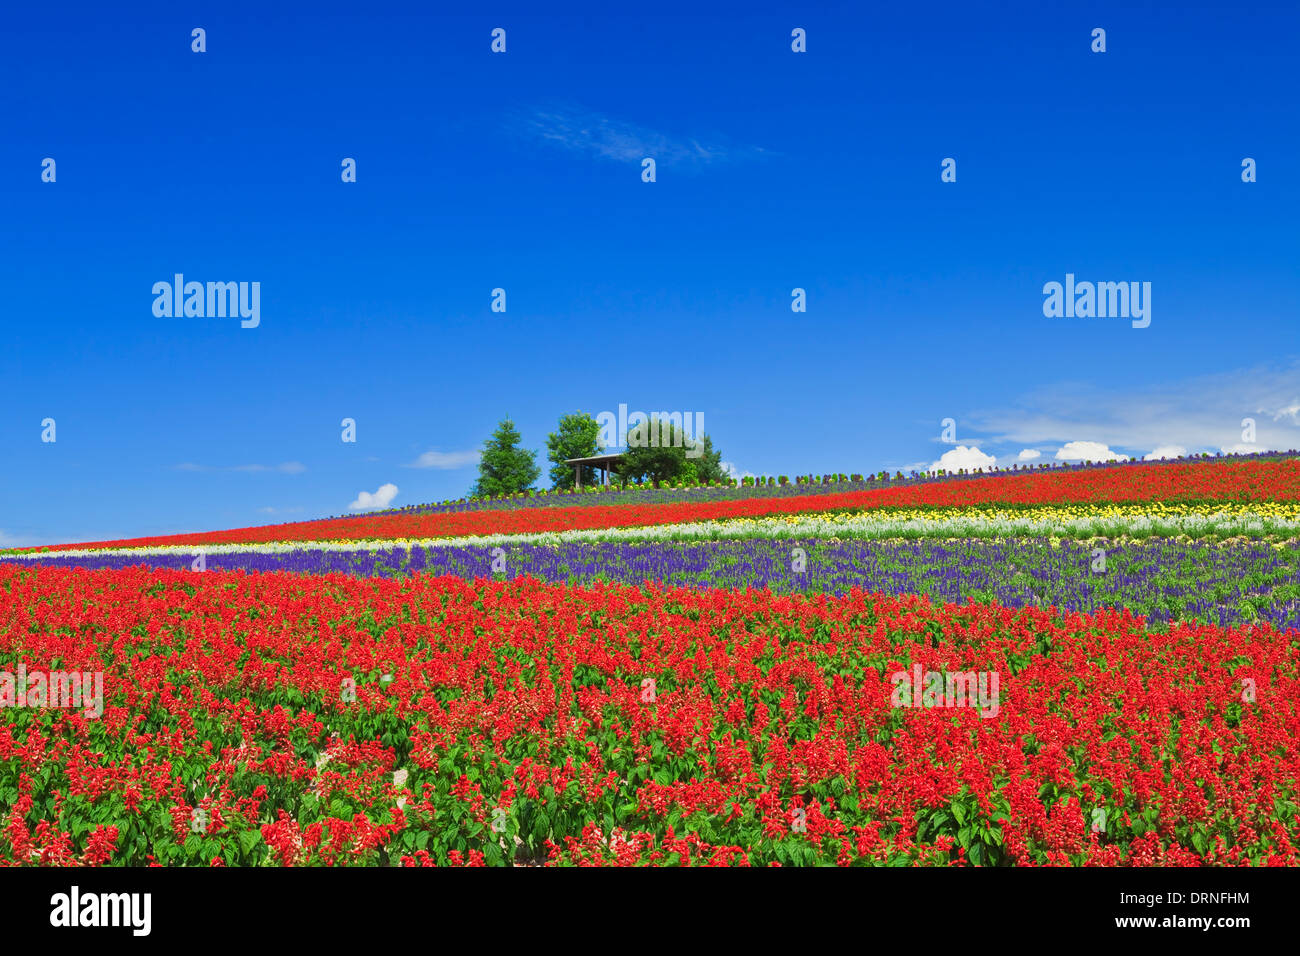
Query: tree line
x=656 y=451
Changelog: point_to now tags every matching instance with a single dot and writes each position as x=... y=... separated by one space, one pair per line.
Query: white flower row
x=811 y=526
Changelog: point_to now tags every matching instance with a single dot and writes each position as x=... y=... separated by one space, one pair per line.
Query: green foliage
x=577 y=437
x=657 y=452
x=505 y=468
x=708 y=466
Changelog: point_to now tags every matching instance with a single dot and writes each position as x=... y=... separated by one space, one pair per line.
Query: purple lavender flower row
x=1162 y=579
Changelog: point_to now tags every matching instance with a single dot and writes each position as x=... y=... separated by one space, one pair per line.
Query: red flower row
x=1234 y=481
x=334 y=720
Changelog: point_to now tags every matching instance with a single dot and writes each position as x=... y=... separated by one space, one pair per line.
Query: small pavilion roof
x=596 y=460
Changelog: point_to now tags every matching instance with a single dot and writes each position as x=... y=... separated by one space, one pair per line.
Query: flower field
x=1093 y=667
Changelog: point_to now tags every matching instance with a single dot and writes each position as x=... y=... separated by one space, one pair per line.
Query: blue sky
x=522 y=171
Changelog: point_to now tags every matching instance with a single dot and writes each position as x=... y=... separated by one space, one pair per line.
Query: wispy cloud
x=1198 y=414
x=1290 y=412
x=595 y=134
x=446 y=460
x=14 y=541
x=285 y=467
x=21 y=541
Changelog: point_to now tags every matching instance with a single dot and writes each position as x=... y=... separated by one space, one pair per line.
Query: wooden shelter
x=602 y=463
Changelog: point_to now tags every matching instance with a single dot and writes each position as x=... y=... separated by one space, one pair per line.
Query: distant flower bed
x=779 y=486
x=1227 y=482
x=1214 y=521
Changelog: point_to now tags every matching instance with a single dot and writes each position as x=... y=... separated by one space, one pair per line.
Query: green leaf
x=541 y=827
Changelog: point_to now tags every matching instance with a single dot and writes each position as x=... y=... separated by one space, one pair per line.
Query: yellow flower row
x=1285 y=511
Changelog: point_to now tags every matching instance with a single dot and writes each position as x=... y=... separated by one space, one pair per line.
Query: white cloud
x=972 y=459
x=731 y=471
x=446 y=460
x=1087 y=451
x=585 y=131
x=1029 y=454
x=380 y=499
x=1166 y=451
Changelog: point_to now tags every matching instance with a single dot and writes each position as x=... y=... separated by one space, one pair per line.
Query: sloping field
x=1095 y=666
